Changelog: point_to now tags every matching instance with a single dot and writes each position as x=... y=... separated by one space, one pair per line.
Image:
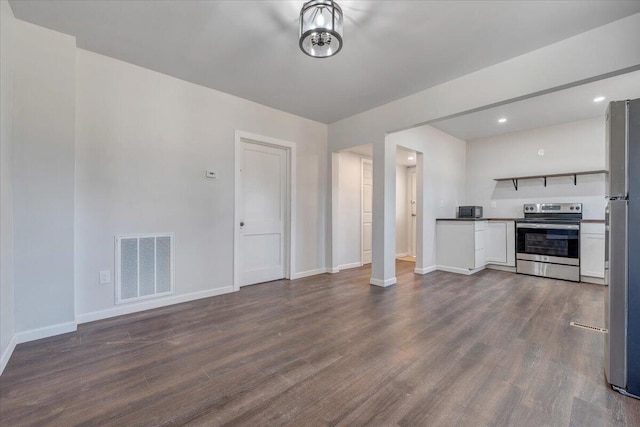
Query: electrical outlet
x=442 y=203
x=494 y=204
x=105 y=277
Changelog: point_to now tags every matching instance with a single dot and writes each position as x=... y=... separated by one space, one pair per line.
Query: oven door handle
x=549 y=226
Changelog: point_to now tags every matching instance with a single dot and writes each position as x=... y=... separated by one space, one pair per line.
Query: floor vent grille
x=588 y=327
x=144 y=267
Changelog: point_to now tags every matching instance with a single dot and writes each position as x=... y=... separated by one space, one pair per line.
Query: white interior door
x=262 y=211
x=412 y=211
x=367 y=210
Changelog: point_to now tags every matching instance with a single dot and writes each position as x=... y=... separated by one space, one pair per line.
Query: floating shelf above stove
x=575 y=175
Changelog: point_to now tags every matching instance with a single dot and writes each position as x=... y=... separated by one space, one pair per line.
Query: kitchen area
x=518 y=187
x=536 y=174
x=549 y=240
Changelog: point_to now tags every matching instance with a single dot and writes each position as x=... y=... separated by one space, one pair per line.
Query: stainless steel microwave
x=469 y=211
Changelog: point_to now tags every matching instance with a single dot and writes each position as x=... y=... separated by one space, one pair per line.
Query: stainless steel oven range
x=548 y=240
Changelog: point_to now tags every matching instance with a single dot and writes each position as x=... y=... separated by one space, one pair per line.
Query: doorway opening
x=406 y=204
x=353 y=207
x=353 y=221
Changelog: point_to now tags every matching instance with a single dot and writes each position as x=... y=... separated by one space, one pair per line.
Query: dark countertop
x=476 y=219
x=461 y=219
x=588 y=221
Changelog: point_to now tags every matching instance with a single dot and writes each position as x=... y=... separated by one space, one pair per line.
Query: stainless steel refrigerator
x=622 y=253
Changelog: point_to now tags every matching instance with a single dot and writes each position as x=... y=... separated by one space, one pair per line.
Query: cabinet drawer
x=592 y=228
x=479 y=225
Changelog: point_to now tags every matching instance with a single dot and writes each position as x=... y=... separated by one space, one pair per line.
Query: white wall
x=43 y=176
x=443 y=178
x=6 y=183
x=568 y=147
x=402 y=211
x=143 y=142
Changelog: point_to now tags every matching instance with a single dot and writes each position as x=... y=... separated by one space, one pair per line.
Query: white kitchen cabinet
x=460 y=246
x=592 y=252
x=501 y=243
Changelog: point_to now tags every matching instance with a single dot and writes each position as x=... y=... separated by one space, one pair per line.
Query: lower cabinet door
x=497 y=242
x=592 y=255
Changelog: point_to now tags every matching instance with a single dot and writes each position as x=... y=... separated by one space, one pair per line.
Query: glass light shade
x=321 y=28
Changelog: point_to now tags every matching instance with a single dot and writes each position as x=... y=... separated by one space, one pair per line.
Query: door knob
x=241 y=223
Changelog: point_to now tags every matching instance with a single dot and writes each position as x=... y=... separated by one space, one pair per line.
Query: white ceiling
x=563 y=106
x=365 y=150
x=250 y=48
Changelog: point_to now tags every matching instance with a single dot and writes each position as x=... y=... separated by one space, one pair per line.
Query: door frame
x=290 y=213
x=412 y=173
x=363 y=160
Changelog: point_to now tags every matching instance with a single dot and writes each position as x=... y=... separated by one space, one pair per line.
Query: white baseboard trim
x=150 y=304
x=383 y=283
x=457 y=270
x=425 y=270
x=501 y=268
x=308 y=273
x=45 y=332
x=333 y=270
x=348 y=266
x=6 y=355
x=403 y=254
x=593 y=280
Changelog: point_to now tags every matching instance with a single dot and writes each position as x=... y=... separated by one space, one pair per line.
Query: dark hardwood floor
x=440 y=350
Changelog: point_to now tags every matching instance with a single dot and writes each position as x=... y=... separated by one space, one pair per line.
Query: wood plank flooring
x=442 y=349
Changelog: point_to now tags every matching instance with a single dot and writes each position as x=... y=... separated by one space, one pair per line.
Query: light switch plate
x=105 y=277
x=210 y=175
x=494 y=204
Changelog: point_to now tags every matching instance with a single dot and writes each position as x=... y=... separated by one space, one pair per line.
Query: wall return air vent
x=144 y=267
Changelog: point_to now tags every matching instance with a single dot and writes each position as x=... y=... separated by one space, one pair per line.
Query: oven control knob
x=577 y=208
x=571 y=208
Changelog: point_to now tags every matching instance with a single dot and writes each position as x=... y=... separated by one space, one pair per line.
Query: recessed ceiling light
x=502 y=120
x=599 y=99
x=410 y=158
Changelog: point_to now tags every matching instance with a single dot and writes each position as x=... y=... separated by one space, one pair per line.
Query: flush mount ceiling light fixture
x=321 y=28
x=599 y=99
x=502 y=120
